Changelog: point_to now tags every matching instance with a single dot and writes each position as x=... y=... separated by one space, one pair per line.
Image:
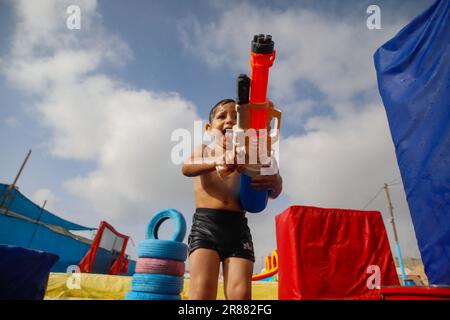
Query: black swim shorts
x=224 y=231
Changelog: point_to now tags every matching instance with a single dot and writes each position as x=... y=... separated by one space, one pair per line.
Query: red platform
x=326 y=253
x=416 y=293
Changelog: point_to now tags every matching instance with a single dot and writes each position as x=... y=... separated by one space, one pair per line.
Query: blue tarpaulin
x=25 y=232
x=18 y=203
x=19 y=232
x=23 y=223
x=413 y=71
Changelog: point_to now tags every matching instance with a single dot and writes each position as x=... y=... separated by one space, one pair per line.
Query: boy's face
x=224 y=119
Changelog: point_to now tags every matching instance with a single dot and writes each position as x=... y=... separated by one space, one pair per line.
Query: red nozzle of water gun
x=262 y=57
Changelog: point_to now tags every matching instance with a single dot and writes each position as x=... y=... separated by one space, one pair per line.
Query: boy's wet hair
x=218 y=104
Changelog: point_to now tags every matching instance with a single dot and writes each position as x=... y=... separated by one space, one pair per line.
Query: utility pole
x=13 y=185
x=397 y=244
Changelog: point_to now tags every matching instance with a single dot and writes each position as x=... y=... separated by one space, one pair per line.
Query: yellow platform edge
x=109 y=287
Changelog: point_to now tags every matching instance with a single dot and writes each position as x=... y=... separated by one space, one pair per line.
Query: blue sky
x=164 y=63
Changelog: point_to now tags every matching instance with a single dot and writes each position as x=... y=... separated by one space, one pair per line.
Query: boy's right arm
x=197 y=163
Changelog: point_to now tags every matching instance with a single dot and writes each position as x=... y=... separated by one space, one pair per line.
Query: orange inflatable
x=271 y=267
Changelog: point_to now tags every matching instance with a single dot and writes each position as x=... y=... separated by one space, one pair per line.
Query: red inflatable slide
x=332 y=254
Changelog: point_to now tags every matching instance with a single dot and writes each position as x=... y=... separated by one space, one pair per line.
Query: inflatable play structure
x=271 y=267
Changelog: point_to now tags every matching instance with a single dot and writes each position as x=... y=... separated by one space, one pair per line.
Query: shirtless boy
x=220 y=232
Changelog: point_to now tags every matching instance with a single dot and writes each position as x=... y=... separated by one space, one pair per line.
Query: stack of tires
x=160 y=266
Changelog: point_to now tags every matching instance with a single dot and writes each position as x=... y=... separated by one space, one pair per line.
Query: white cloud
x=41 y=195
x=339 y=162
x=342 y=163
x=11 y=121
x=123 y=131
x=42 y=26
x=333 y=55
x=134 y=164
x=39 y=75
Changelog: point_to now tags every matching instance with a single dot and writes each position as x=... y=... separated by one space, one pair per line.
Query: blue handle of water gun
x=252 y=200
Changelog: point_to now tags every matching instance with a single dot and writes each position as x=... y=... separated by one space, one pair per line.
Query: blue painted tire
x=160 y=266
x=163 y=249
x=161 y=216
x=157 y=283
x=133 y=295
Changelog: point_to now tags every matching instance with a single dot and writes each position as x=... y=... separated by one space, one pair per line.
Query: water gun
x=251 y=140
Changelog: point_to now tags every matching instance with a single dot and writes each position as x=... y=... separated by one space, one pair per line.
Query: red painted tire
x=160 y=266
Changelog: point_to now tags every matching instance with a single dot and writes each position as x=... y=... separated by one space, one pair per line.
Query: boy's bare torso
x=212 y=191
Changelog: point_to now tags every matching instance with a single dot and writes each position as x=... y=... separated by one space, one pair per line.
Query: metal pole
x=397 y=244
x=12 y=186
x=37 y=223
